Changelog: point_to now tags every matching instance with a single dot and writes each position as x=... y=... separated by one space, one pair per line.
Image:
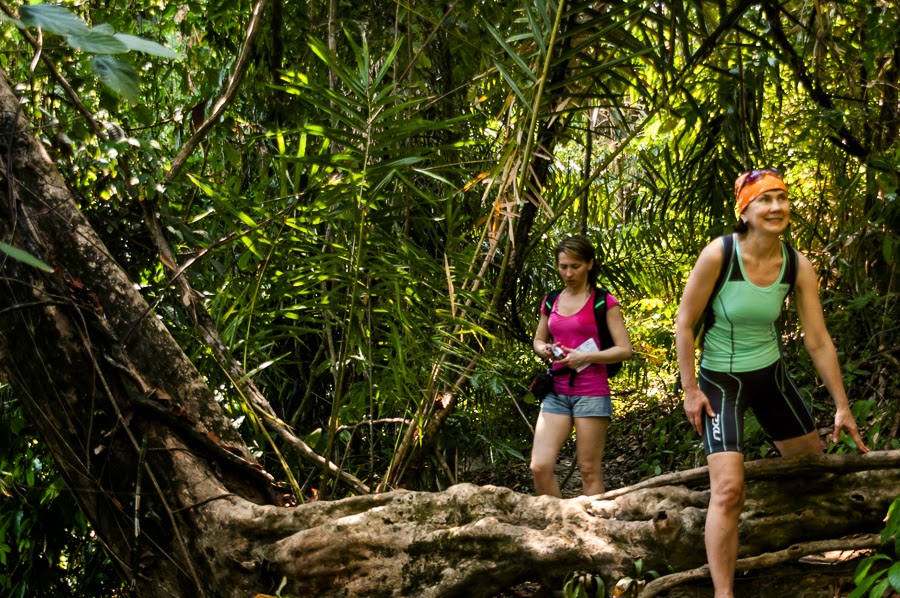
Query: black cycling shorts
x=770 y=392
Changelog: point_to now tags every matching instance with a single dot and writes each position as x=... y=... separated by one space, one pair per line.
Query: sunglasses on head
x=756 y=174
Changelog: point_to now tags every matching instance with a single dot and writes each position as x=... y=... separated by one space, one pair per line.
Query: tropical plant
x=345 y=213
x=880 y=572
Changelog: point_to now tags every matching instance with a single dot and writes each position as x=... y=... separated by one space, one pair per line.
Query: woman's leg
x=808 y=444
x=726 y=481
x=550 y=433
x=590 y=445
x=786 y=415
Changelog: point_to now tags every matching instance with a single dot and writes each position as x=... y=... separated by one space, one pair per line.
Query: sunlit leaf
x=97 y=42
x=53 y=18
x=139 y=44
x=118 y=76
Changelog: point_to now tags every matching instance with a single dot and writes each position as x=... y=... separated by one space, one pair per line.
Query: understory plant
x=880 y=572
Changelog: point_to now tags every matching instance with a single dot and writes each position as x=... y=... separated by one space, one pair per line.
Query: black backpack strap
x=790 y=275
x=727 y=257
x=706 y=321
x=600 y=316
x=606 y=339
x=549 y=300
x=570 y=372
x=793 y=265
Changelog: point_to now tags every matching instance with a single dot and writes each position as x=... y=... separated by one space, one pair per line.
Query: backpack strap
x=603 y=333
x=600 y=316
x=708 y=318
x=549 y=300
x=606 y=339
x=793 y=265
x=727 y=257
x=791 y=268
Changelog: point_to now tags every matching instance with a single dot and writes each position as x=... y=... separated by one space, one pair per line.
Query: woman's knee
x=729 y=495
x=590 y=470
x=541 y=468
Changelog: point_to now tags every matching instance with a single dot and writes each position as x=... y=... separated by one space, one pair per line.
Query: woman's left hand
x=574 y=359
x=843 y=420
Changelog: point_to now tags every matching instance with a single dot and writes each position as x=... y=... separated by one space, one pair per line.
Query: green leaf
x=118 y=76
x=139 y=44
x=892 y=527
x=862 y=569
x=15 y=22
x=526 y=70
x=511 y=82
x=861 y=576
x=55 y=19
x=878 y=590
x=894 y=576
x=97 y=41
x=24 y=257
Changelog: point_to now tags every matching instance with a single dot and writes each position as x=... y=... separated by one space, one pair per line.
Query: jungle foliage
x=369 y=218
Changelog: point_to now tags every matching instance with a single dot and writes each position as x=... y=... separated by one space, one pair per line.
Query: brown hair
x=580 y=247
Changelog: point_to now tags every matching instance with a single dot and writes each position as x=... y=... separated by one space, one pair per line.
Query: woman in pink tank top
x=567 y=335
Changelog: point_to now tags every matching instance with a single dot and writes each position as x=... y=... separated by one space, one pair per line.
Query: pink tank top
x=571 y=331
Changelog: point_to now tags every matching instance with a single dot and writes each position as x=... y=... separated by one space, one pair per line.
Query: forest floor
x=828 y=577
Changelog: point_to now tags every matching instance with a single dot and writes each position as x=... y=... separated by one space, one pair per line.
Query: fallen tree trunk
x=184 y=511
x=475 y=541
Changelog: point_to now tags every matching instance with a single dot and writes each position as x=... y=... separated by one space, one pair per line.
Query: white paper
x=588 y=346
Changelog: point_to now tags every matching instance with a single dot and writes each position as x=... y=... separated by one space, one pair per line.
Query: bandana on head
x=751 y=185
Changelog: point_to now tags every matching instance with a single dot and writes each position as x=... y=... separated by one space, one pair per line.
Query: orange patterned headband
x=751 y=184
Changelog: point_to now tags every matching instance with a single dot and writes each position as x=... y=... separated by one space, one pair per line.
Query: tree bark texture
x=173 y=493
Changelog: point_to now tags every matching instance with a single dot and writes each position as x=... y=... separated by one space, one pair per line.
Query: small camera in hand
x=557 y=352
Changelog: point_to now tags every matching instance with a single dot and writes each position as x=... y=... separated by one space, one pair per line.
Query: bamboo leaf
x=388 y=62
x=537 y=30
x=511 y=53
x=512 y=84
x=24 y=257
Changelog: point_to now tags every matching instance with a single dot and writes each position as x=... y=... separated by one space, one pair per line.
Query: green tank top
x=743 y=337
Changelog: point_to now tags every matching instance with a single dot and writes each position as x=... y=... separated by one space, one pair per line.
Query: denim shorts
x=577 y=406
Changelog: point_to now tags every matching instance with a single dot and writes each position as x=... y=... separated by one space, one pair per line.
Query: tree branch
x=772 y=468
x=845 y=139
x=57 y=76
x=234 y=83
x=190 y=298
x=762 y=561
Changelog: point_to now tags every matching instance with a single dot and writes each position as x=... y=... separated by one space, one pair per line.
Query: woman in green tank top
x=741 y=364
